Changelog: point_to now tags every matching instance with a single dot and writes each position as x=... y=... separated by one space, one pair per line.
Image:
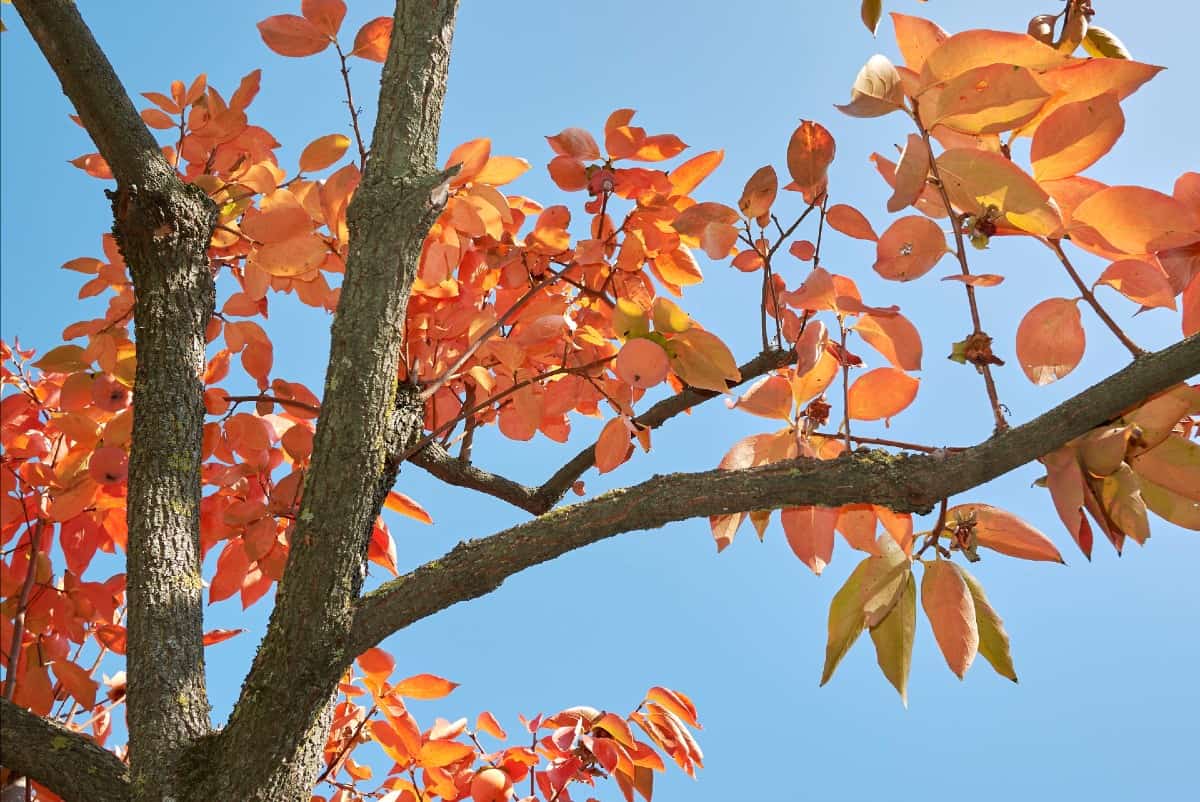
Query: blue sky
x=1107 y=704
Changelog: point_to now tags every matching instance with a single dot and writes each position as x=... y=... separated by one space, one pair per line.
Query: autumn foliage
x=525 y=315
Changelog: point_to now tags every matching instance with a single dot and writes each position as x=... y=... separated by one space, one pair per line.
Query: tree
x=459 y=307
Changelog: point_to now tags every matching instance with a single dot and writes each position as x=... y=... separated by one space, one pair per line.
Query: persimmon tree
x=161 y=430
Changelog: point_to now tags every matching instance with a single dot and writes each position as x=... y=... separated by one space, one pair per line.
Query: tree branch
x=70 y=764
x=163 y=228
x=554 y=488
x=905 y=483
x=537 y=500
x=279 y=723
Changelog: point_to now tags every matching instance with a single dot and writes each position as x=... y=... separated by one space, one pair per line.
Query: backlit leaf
x=769 y=397
x=850 y=221
x=881 y=393
x=327 y=15
x=371 y=41
x=978 y=48
x=687 y=176
x=893 y=637
x=425 y=686
x=759 y=192
x=976 y=180
x=1137 y=220
x=951 y=611
x=1174 y=464
x=322 y=152
x=894 y=336
x=876 y=91
x=809 y=532
x=1075 y=136
x=292 y=35
x=809 y=154
x=1000 y=530
x=1050 y=340
x=1140 y=281
x=613 y=446
x=911 y=174
x=1102 y=43
x=406 y=506
x=702 y=360
x=846 y=619
x=909 y=248
x=988 y=100
x=917 y=38
x=993 y=640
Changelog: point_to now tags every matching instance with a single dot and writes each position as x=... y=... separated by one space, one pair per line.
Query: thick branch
x=163 y=228
x=439 y=462
x=278 y=724
x=70 y=764
x=904 y=483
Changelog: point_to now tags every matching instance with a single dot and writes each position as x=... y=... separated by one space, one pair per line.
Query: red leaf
x=292 y=35
x=371 y=41
x=218 y=635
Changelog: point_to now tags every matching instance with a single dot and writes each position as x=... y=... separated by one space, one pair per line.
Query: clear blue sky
x=1107 y=706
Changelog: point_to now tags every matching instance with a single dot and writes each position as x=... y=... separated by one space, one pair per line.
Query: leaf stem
x=961 y=253
x=362 y=149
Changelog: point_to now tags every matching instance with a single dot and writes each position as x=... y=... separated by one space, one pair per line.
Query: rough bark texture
x=273 y=740
x=905 y=483
x=163 y=228
x=272 y=748
x=75 y=766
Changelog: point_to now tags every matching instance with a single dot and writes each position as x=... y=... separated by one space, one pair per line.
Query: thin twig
x=362 y=149
x=1089 y=296
x=435 y=385
x=14 y=649
x=961 y=253
x=334 y=765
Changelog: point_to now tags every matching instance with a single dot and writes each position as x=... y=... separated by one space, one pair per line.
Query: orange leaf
x=881 y=393
x=979 y=48
x=1140 y=282
x=291 y=257
x=425 y=686
x=326 y=15
x=292 y=35
x=675 y=701
x=568 y=173
x=487 y=723
x=471 y=157
x=679 y=267
x=894 y=336
x=1075 y=136
x=809 y=532
x=1050 y=340
x=1137 y=220
x=809 y=154
x=951 y=610
x=911 y=174
x=613 y=446
x=376 y=664
x=218 y=635
x=687 y=176
x=371 y=41
x=917 y=38
x=77 y=682
x=987 y=100
x=642 y=363
x=770 y=397
x=700 y=359
x=850 y=221
x=322 y=152
x=759 y=192
x=977 y=280
x=398 y=502
x=281 y=217
x=436 y=754
x=1004 y=532
x=909 y=248
x=575 y=143
x=976 y=179
x=500 y=170
x=156 y=119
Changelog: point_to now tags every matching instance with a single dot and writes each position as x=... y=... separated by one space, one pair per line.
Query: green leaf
x=846 y=618
x=872 y=10
x=1102 y=43
x=882 y=586
x=893 y=637
x=993 y=640
x=1167 y=504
